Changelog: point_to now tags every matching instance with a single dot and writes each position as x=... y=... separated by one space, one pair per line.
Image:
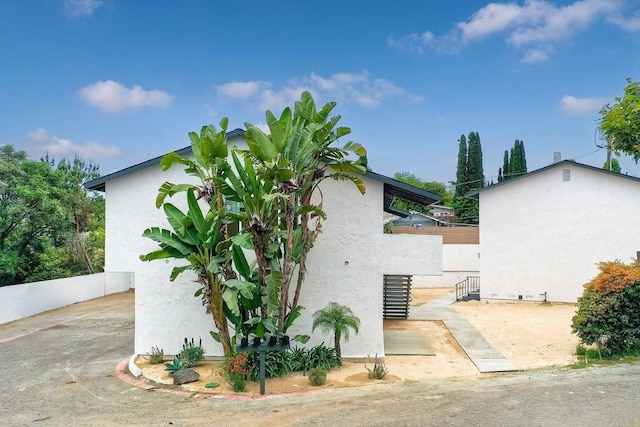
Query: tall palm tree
x=337 y=318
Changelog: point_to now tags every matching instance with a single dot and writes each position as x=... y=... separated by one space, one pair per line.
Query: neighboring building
x=346 y=265
x=418 y=219
x=444 y=213
x=543 y=234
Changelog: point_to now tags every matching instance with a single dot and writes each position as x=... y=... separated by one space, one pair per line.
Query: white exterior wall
x=458 y=262
x=349 y=259
x=540 y=234
x=167 y=312
x=27 y=299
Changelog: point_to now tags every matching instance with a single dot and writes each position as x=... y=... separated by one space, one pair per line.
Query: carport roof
x=392 y=187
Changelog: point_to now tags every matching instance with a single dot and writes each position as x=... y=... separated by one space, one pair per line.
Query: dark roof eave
x=99 y=184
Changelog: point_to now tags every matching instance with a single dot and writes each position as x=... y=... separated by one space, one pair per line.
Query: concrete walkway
x=482 y=354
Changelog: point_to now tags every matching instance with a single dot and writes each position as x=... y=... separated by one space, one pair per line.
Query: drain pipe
x=545 y=296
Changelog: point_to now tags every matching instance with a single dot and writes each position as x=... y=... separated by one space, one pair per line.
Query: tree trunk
x=337 y=343
x=287 y=268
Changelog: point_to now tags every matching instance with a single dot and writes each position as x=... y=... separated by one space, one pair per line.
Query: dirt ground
x=530 y=335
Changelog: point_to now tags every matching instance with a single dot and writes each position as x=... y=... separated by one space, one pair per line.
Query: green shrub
x=276 y=364
x=317 y=376
x=608 y=312
x=323 y=357
x=191 y=354
x=300 y=360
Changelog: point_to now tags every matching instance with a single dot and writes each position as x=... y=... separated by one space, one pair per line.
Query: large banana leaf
x=167 y=238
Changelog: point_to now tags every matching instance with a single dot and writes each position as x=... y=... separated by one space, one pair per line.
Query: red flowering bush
x=235 y=371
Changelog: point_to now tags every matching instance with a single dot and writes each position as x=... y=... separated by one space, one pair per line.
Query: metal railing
x=467 y=286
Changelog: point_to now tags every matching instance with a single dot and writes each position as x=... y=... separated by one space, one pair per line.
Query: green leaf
x=169 y=189
x=301 y=338
x=261 y=147
x=167 y=238
x=245 y=288
x=240 y=262
x=215 y=336
x=243 y=240
x=292 y=316
x=175 y=272
x=198 y=293
x=230 y=298
x=195 y=212
x=171 y=159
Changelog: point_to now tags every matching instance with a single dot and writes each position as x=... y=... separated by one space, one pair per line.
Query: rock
x=184 y=376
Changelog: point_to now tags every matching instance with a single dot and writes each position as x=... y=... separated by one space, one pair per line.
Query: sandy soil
x=530 y=335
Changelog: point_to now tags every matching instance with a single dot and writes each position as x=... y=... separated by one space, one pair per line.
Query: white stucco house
x=346 y=265
x=543 y=234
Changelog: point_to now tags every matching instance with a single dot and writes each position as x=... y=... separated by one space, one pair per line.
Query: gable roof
x=564 y=163
x=392 y=187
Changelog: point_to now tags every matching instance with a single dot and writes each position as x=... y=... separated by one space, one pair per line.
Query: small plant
x=338 y=319
x=235 y=371
x=379 y=370
x=174 y=366
x=191 y=354
x=300 y=360
x=156 y=355
x=317 y=376
x=276 y=364
x=321 y=356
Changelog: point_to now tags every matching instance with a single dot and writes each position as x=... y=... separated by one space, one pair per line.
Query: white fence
x=458 y=262
x=27 y=299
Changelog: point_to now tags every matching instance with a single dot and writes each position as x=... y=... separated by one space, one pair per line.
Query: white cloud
x=576 y=106
x=345 y=88
x=493 y=18
x=242 y=90
x=535 y=24
x=80 y=8
x=114 y=97
x=535 y=55
x=414 y=42
x=631 y=23
x=39 y=143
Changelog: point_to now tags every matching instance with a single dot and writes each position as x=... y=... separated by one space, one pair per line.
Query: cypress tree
x=524 y=158
x=470 y=175
x=505 y=166
x=462 y=167
x=514 y=162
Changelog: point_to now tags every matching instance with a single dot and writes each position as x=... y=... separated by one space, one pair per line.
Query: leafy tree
x=272 y=183
x=615 y=166
x=338 y=319
x=621 y=121
x=37 y=220
x=434 y=187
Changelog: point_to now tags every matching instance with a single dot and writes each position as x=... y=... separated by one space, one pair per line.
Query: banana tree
x=291 y=162
x=202 y=239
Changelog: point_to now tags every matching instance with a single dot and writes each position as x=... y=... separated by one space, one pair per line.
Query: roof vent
x=566 y=174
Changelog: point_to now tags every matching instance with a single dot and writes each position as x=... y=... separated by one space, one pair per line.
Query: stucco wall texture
x=541 y=234
x=346 y=264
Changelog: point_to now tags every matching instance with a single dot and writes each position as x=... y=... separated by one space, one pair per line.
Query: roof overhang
x=392 y=188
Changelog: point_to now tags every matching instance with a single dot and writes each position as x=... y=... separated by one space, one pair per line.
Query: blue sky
x=121 y=81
